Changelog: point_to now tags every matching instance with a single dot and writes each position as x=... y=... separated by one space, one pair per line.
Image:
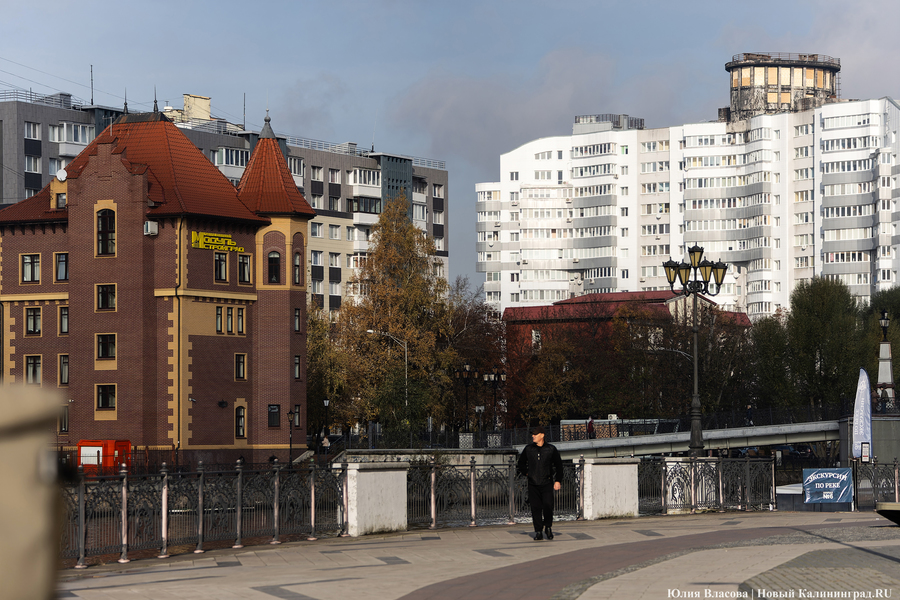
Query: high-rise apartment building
x=789 y=183
x=346 y=185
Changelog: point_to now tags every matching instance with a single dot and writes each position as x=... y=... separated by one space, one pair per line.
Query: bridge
x=713 y=439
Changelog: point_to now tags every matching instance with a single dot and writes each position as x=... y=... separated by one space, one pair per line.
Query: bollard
x=164 y=514
x=123 y=473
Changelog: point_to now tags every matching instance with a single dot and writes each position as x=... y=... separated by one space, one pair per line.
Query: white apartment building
x=789 y=183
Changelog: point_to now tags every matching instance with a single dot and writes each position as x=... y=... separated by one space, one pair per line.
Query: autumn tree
x=392 y=325
x=326 y=371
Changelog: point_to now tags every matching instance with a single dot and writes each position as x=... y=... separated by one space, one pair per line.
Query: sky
x=459 y=81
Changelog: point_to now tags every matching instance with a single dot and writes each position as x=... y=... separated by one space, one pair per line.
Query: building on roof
x=167 y=305
x=791 y=182
x=347 y=186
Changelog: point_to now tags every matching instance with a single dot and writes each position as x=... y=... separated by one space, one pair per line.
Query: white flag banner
x=862 y=415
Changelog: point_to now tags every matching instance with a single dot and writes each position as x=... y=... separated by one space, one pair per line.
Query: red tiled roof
x=182 y=180
x=34 y=209
x=267 y=186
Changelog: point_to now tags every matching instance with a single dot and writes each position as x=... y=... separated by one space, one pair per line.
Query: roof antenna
x=92 y=85
x=375 y=124
x=244 y=124
x=126 y=101
x=155 y=106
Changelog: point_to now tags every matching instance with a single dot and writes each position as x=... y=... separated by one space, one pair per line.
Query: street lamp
x=405 y=375
x=884 y=321
x=494 y=379
x=290 y=436
x=702 y=270
x=325 y=444
x=468 y=376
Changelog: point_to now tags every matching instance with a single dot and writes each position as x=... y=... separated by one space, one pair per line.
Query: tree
x=772 y=385
x=402 y=301
x=825 y=342
x=326 y=371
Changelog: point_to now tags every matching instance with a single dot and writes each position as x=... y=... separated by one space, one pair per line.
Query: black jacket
x=541 y=464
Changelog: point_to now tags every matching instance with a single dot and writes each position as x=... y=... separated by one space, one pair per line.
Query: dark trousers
x=541 y=499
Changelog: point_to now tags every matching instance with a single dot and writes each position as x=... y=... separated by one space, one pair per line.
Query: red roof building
x=166 y=306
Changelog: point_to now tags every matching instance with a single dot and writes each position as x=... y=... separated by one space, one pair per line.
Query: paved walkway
x=753 y=555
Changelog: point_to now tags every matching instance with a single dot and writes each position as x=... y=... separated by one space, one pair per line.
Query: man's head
x=537 y=435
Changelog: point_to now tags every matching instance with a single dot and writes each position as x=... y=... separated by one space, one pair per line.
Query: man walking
x=541 y=463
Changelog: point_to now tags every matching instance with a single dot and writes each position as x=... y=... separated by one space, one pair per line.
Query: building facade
x=790 y=182
x=166 y=306
x=347 y=186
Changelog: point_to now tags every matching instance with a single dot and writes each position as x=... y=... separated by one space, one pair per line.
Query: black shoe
x=548 y=532
x=537 y=536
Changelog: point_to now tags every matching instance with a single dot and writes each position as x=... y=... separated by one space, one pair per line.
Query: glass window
x=62 y=266
x=106 y=396
x=106 y=345
x=60 y=200
x=244 y=268
x=298 y=268
x=296 y=367
x=33 y=321
x=274 y=267
x=240 y=366
x=334 y=232
x=274 y=415
x=298 y=317
x=334 y=259
x=240 y=414
x=334 y=176
x=63 y=369
x=221 y=266
x=32 y=164
x=106 y=232
x=33 y=370
x=229 y=322
x=106 y=297
x=315 y=173
x=315 y=230
x=315 y=257
x=218 y=319
x=32 y=131
x=240 y=320
x=31 y=268
x=63 y=320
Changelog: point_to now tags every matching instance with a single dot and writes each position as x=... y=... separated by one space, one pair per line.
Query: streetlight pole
x=405 y=375
x=494 y=379
x=692 y=286
x=467 y=376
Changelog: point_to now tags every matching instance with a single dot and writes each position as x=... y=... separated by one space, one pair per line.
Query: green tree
x=772 y=384
x=326 y=371
x=826 y=349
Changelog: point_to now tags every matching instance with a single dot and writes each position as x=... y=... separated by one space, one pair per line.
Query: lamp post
x=694 y=279
x=885 y=368
x=325 y=427
x=467 y=375
x=405 y=375
x=480 y=410
x=290 y=437
x=494 y=379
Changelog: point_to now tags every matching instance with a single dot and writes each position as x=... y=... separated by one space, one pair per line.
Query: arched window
x=274 y=267
x=298 y=268
x=106 y=232
x=240 y=429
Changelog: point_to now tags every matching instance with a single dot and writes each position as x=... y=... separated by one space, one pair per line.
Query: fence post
x=80 y=525
x=853 y=465
x=433 y=494
x=896 y=487
x=276 y=500
x=512 y=491
x=345 y=532
x=164 y=514
x=199 y=549
x=745 y=488
x=773 y=497
x=472 y=489
x=580 y=473
x=239 y=505
x=312 y=500
x=693 y=468
x=123 y=472
x=664 y=488
x=721 y=490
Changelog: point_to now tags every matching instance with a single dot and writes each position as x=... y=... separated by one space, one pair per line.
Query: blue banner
x=827 y=485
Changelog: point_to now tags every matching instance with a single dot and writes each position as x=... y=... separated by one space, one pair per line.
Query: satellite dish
x=61 y=174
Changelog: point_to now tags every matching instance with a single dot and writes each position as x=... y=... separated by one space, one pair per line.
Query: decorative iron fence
x=440 y=495
x=687 y=485
x=874 y=483
x=118 y=514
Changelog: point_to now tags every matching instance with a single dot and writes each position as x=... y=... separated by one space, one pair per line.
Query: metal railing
x=786 y=56
x=58 y=100
x=682 y=485
x=441 y=495
x=873 y=483
x=118 y=514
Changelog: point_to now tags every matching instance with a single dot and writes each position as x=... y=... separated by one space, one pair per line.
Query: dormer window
x=60 y=201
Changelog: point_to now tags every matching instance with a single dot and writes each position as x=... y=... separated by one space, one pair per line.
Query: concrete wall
x=610 y=487
x=376 y=497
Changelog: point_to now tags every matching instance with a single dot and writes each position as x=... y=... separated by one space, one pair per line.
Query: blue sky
x=460 y=81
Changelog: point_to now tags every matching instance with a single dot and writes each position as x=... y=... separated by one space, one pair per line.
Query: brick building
x=167 y=305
